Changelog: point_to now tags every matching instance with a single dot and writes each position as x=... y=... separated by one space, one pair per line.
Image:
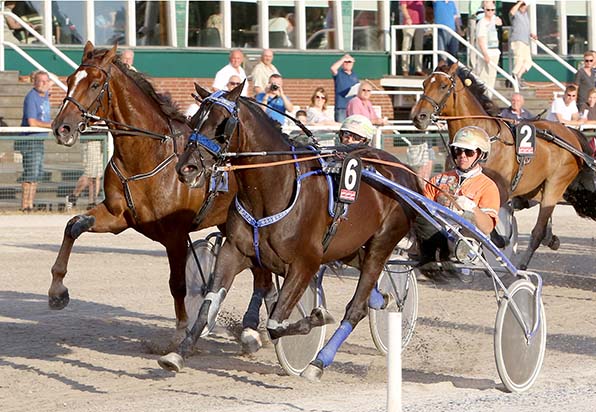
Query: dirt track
x=99 y=354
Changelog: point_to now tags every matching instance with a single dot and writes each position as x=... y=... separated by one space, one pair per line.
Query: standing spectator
x=446 y=13
x=343 y=79
x=36 y=113
x=234 y=67
x=11 y=26
x=412 y=12
x=520 y=41
x=361 y=104
x=262 y=71
x=127 y=57
x=316 y=114
x=487 y=41
x=585 y=78
x=516 y=111
x=564 y=109
x=91 y=177
x=275 y=97
x=587 y=110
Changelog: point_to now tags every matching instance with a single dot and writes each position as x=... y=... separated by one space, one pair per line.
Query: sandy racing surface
x=99 y=354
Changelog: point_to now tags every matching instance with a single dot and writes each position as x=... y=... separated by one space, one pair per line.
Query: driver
x=464 y=189
x=356 y=129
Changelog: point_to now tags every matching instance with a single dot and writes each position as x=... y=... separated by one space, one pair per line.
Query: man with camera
x=275 y=98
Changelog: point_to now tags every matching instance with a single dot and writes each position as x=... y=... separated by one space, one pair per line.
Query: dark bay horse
x=551 y=174
x=281 y=218
x=141 y=186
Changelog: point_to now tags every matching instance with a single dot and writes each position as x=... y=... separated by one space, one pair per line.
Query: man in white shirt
x=564 y=109
x=233 y=68
x=487 y=42
x=263 y=71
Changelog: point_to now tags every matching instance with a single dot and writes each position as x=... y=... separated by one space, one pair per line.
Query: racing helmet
x=359 y=125
x=472 y=137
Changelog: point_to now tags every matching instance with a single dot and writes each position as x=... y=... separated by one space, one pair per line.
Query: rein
x=229 y=168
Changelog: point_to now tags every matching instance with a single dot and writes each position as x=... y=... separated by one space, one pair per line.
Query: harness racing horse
x=560 y=165
x=141 y=186
x=282 y=215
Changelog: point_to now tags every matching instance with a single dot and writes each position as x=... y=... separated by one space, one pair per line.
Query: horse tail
x=581 y=193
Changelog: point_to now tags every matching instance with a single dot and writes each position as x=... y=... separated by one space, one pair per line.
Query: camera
x=274 y=87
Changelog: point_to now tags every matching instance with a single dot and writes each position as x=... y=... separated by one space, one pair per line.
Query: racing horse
x=282 y=214
x=141 y=186
x=554 y=172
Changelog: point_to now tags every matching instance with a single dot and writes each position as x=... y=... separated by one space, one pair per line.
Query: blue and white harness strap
x=209 y=144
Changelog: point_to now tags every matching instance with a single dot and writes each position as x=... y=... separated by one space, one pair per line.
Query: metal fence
x=62 y=166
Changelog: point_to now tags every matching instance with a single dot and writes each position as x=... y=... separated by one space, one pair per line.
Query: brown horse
x=452 y=91
x=141 y=186
x=281 y=218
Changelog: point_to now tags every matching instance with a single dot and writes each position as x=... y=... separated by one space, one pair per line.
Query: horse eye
x=95 y=85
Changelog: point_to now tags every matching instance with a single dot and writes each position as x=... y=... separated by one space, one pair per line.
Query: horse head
x=438 y=88
x=87 y=97
x=214 y=124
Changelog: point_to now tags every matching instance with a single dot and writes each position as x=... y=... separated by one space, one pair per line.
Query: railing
x=62 y=167
x=436 y=52
x=26 y=56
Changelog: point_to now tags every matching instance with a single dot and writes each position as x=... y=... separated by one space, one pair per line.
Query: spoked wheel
x=295 y=353
x=199 y=268
x=519 y=359
x=398 y=281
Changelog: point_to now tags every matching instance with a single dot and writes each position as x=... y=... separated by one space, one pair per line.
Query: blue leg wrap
x=376 y=300
x=328 y=352
x=251 y=317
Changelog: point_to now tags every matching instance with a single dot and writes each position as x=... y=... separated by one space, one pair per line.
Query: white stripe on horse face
x=78 y=77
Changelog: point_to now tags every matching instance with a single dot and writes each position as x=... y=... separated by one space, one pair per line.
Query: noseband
x=87 y=113
x=438 y=107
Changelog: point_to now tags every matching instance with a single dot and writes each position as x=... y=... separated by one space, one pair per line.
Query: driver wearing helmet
x=464 y=189
x=356 y=129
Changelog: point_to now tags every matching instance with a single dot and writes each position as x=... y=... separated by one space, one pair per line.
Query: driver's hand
x=465 y=203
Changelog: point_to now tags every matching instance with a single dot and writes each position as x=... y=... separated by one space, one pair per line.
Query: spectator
x=317 y=111
x=446 y=13
x=10 y=24
x=361 y=104
x=234 y=67
x=587 y=110
x=262 y=71
x=301 y=116
x=520 y=41
x=343 y=79
x=487 y=41
x=275 y=97
x=356 y=129
x=127 y=57
x=585 y=78
x=233 y=82
x=215 y=21
x=36 y=113
x=280 y=25
x=91 y=177
x=412 y=13
x=516 y=111
x=564 y=109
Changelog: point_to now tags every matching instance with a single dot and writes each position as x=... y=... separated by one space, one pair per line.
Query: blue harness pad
x=220 y=185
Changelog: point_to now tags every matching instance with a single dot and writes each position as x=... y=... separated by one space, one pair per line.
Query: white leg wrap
x=273 y=324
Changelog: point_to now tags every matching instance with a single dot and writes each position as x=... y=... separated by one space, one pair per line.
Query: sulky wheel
x=295 y=353
x=519 y=359
x=399 y=281
x=199 y=268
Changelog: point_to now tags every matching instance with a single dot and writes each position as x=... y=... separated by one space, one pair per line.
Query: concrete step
x=9 y=77
x=11 y=100
x=15 y=89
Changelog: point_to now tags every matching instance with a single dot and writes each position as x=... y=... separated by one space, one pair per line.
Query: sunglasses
x=366 y=90
x=489 y=9
x=571 y=95
x=468 y=152
x=345 y=133
x=588 y=60
x=320 y=97
x=348 y=61
x=234 y=83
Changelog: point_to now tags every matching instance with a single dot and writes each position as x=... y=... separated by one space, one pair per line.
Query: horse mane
x=262 y=118
x=477 y=89
x=164 y=100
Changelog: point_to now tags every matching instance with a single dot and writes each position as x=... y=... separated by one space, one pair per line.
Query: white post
x=394 y=362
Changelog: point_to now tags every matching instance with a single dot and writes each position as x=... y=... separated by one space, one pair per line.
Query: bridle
x=439 y=106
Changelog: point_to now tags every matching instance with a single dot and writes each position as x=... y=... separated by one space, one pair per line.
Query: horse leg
x=97 y=220
x=537 y=234
x=550 y=239
x=230 y=262
x=262 y=285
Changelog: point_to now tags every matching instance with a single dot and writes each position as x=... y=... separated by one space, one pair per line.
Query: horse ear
x=111 y=53
x=202 y=92
x=235 y=93
x=453 y=68
x=88 y=51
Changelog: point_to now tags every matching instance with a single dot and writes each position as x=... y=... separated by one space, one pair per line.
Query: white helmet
x=472 y=137
x=359 y=125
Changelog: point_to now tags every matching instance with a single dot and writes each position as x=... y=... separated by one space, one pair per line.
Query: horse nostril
x=189 y=170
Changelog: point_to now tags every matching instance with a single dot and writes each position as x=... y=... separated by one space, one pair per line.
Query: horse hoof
x=171 y=362
x=59 y=302
x=323 y=316
x=312 y=373
x=251 y=340
x=554 y=243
